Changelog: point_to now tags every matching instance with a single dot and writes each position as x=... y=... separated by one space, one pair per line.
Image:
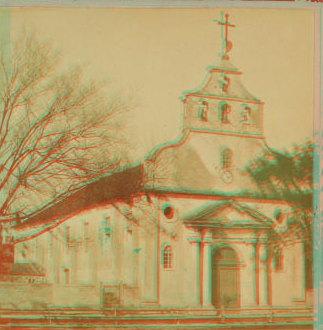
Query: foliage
x=58 y=130
x=289 y=176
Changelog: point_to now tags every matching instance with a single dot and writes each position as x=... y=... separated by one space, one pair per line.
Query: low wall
x=25 y=295
x=73 y=295
x=43 y=295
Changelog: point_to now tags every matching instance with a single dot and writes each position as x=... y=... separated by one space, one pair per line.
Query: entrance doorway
x=225 y=278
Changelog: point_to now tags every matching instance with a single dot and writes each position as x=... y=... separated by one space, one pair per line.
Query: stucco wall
x=131 y=254
x=288 y=283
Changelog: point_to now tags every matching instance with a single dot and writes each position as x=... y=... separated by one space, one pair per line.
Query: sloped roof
x=23 y=269
x=118 y=186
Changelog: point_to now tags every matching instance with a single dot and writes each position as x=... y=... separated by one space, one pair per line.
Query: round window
x=168 y=211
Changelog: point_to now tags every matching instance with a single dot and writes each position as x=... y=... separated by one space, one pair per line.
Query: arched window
x=67 y=234
x=226 y=159
x=202 y=110
x=107 y=226
x=67 y=238
x=168 y=257
x=86 y=229
x=86 y=236
x=224 y=113
x=67 y=276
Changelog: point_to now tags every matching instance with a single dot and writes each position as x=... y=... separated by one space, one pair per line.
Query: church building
x=201 y=236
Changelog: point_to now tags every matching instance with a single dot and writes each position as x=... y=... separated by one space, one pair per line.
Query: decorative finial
x=226 y=44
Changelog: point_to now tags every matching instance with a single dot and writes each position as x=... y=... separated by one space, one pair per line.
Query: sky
x=159 y=53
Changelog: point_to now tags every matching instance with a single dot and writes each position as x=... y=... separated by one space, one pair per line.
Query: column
x=303 y=256
x=195 y=242
x=299 y=270
x=263 y=275
x=207 y=269
x=196 y=246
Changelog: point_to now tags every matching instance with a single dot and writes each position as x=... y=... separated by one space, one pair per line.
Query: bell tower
x=221 y=104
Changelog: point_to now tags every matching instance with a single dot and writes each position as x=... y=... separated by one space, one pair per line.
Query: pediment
x=227 y=213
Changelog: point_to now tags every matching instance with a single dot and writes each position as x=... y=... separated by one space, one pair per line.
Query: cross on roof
x=226 y=44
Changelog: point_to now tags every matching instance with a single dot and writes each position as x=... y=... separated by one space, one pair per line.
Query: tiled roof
x=22 y=269
x=118 y=186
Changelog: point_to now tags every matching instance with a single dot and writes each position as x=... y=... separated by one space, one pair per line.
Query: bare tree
x=58 y=131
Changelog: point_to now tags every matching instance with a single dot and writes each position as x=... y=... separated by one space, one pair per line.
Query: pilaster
x=195 y=241
x=207 y=269
x=254 y=272
x=263 y=270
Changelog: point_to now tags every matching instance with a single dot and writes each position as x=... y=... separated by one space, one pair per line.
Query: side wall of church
x=290 y=277
x=82 y=254
x=103 y=248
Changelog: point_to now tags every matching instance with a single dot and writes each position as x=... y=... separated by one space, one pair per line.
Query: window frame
x=67 y=238
x=86 y=235
x=226 y=159
x=170 y=257
x=67 y=279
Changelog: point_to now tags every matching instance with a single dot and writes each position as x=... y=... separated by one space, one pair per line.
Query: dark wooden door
x=225 y=279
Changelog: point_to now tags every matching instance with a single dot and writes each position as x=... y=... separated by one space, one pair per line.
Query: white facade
x=106 y=251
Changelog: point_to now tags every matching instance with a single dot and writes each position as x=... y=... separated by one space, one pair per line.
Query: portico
x=226 y=257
